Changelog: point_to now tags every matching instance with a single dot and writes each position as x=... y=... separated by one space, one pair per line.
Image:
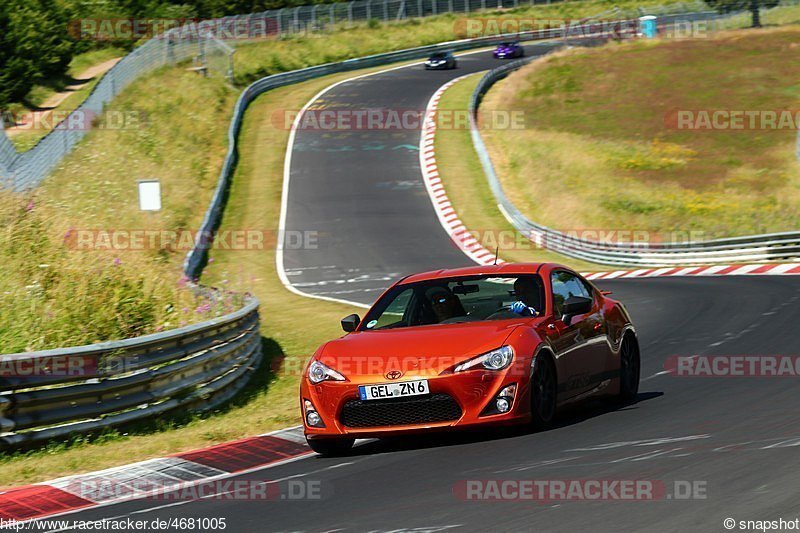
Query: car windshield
x=453 y=300
x=505 y=45
x=439 y=55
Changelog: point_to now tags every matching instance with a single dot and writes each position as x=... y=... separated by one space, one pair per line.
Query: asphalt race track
x=736 y=439
x=361 y=192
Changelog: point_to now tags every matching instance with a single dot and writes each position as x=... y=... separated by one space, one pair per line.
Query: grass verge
x=290 y=333
x=182 y=142
x=468 y=191
x=601 y=150
x=258 y=59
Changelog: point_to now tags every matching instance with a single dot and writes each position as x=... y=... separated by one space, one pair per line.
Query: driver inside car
x=444 y=303
x=528 y=294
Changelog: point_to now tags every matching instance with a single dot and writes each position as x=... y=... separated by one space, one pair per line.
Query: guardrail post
x=386 y=10
x=350 y=13
x=333 y=15
x=6 y=424
x=435 y=6
x=296 y=23
x=369 y=10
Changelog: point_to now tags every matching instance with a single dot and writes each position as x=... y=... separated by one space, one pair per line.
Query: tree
x=34 y=46
x=754 y=6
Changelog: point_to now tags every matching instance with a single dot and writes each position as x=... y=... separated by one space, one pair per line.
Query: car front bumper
x=470 y=394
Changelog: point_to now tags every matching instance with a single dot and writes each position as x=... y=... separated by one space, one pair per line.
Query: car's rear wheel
x=629 y=369
x=331 y=447
x=543 y=392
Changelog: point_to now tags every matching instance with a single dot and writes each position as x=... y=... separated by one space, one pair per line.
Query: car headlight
x=495 y=360
x=318 y=372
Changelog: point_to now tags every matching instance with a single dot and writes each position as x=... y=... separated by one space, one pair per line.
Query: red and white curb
x=459 y=235
x=153 y=477
x=760 y=269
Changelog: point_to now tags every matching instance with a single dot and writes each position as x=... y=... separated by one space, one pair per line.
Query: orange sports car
x=485 y=345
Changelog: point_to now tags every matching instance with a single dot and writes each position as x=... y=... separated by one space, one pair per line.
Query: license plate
x=393 y=390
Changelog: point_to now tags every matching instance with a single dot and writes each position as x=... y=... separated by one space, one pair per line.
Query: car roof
x=502 y=269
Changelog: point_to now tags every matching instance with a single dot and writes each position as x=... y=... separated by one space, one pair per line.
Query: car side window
x=565 y=285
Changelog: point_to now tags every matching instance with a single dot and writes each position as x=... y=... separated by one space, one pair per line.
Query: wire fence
x=210 y=41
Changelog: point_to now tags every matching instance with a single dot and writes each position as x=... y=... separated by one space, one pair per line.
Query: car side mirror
x=575 y=305
x=350 y=323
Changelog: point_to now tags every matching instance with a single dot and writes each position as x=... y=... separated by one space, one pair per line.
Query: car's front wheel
x=331 y=447
x=543 y=392
x=629 y=369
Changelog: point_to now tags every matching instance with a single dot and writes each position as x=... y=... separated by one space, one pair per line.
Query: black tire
x=544 y=387
x=629 y=369
x=331 y=447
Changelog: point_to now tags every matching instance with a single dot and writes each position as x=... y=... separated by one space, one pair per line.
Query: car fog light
x=502 y=405
x=503 y=402
x=313 y=418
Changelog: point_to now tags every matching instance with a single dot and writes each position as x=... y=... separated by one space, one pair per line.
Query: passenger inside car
x=444 y=303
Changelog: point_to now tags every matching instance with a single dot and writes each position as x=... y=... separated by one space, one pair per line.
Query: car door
x=579 y=345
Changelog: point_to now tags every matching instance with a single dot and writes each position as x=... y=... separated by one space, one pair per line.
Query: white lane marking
x=287 y=170
x=783 y=444
x=536 y=465
x=647 y=442
x=646 y=456
x=656 y=375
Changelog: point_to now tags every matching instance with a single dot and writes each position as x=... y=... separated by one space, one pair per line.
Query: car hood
x=426 y=349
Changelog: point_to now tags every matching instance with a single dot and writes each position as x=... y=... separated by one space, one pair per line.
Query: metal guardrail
x=195 y=367
x=751 y=248
x=22 y=171
x=197 y=257
x=87 y=388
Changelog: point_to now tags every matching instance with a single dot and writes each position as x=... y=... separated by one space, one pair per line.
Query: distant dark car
x=441 y=61
x=508 y=51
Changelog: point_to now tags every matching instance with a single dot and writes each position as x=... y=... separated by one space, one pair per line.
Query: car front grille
x=400 y=412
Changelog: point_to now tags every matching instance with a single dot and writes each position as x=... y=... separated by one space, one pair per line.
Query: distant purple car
x=508 y=51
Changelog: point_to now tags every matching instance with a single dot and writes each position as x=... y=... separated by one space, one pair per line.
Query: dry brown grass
x=597 y=153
